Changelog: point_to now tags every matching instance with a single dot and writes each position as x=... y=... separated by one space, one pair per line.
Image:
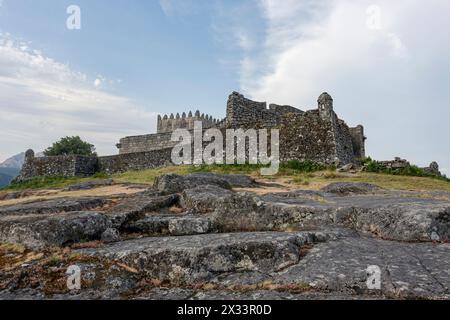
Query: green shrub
x=412 y=170
x=70 y=146
x=303 y=166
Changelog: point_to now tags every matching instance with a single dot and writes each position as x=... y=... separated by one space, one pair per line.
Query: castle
x=317 y=135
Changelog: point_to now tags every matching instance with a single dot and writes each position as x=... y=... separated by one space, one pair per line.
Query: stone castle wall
x=171 y=123
x=358 y=140
x=60 y=166
x=245 y=113
x=316 y=135
x=145 y=143
x=135 y=161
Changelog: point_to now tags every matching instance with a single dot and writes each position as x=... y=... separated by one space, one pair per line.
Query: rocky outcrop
x=194 y=237
x=348 y=188
x=135 y=208
x=54 y=206
x=173 y=183
x=53 y=229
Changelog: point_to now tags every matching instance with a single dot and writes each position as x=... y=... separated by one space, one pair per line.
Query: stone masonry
x=316 y=135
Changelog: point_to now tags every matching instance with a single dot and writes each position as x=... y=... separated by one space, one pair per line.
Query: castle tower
x=325 y=103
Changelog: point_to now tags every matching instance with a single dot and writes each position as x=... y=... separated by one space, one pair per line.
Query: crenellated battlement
x=170 y=123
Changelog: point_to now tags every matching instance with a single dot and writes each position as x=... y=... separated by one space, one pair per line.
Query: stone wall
x=171 y=123
x=245 y=113
x=60 y=166
x=307 y=137
x=135 y=161
x=145 y=143
x=344 y=144
x=358 y=140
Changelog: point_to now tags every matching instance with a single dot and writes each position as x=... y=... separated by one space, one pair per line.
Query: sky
x=386 y=63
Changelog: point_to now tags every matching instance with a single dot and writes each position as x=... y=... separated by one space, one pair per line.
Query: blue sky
x=133 y=59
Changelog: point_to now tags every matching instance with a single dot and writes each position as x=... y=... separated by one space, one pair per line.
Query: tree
x=70 y=146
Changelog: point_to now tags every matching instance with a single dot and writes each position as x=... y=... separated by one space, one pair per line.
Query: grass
x=50 y=182
x=306 y=175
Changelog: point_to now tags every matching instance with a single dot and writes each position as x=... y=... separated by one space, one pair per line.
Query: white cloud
x=42 y=100
x=97 y=82
x=390 y=78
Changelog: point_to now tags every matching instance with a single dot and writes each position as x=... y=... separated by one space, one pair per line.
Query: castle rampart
x=173 y=122
x=316 y=135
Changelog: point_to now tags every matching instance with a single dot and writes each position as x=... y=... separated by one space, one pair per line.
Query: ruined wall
x=359 y=141
x=145 y=143
x=307 y=137
x=344 y=144
x=135 y=161
x=247 y=114
x=60 y=166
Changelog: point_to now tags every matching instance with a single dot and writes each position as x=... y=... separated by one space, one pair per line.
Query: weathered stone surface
x=197 y=258
x=89 y=185
x=390 y=215
x=173 y=183
x=110 y=235
x=235 y=180
x=204 y=199
x=344 y=224
x=348 y=188
x=190 y=225
x=37 y=231
x=135 y=208
x=407 y=269
x=154 y=224
x=170 y=224
x=54 y=206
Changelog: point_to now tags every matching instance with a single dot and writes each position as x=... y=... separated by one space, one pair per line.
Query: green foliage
x=303 y=166
x=413 y=171
x=50 y=182
x=70 y=146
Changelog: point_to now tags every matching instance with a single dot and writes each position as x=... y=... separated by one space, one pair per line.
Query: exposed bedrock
x=173 y=183
x=393 y=215
x=54 y=206
x=188 y=260
x=135 y=208
x=194 y=232
x=53 y=229
x=170 y=224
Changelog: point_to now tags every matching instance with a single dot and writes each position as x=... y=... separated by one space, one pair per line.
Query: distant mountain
x=15 y=162
x=7 y=175
x=10 y=169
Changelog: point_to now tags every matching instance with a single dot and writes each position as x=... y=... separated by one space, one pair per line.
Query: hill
x=6 y=175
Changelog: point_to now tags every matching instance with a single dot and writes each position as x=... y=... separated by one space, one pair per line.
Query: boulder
x=110 y=235
x=173 y=183
x=204 y=199
x=235 y=180
x=190 y=225
x=348 y=188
